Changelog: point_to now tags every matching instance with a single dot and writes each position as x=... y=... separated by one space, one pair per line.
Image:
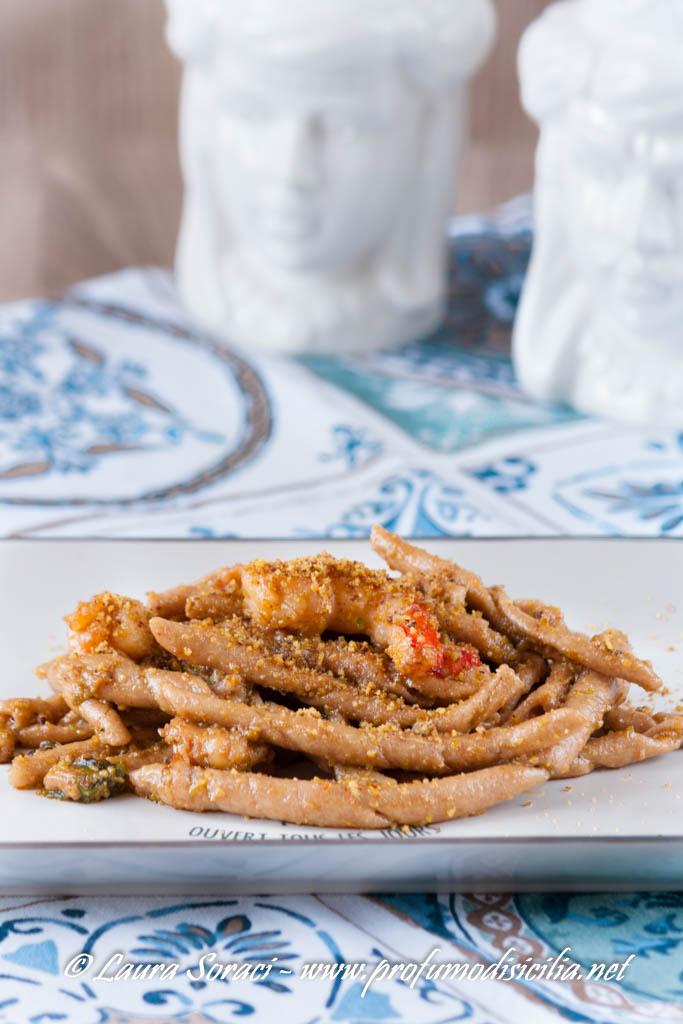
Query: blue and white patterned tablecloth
x=119 y=418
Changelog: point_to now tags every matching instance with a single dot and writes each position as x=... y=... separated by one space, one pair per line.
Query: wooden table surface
x=89 y=173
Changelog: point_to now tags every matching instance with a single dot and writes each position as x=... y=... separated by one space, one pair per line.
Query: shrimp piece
x=111 y=622
x=313 y=595
x=213 y=747
x=107 y=623
x=216 y=595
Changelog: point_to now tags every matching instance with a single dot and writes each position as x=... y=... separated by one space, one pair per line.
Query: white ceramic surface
x=612 y=829
x=319 y=145
x=600 y=324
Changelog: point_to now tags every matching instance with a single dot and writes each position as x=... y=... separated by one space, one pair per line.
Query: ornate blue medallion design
x=416 y=502
x=605 y=928
x=155 y=393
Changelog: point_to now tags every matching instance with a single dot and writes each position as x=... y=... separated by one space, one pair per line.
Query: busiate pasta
x=321 y=692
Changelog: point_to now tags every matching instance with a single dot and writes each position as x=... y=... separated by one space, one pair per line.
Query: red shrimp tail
x=459 y=660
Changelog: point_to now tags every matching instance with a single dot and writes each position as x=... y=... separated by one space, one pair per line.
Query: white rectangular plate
x=620 y=829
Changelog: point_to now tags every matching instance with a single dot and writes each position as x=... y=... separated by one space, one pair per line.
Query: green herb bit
x=98 y=779
x=85 y=779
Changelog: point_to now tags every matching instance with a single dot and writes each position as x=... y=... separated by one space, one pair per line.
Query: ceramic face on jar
x=600 y=323
x=314 y=167
x=319 y=146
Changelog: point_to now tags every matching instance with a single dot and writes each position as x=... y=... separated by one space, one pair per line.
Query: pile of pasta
x=321 y=692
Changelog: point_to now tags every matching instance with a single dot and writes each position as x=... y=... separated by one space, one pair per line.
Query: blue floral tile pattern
x=70 y=408
x=301 y=959
x=414 y=501
x=118 y=417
